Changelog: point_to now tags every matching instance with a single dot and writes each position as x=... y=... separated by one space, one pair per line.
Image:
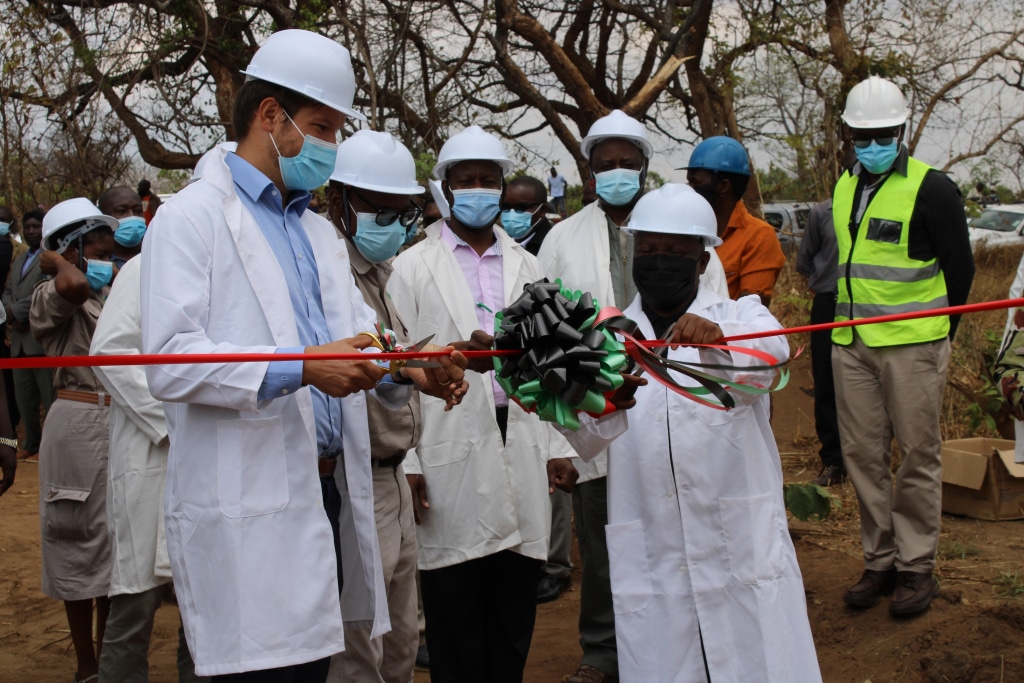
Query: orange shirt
x=751 y=254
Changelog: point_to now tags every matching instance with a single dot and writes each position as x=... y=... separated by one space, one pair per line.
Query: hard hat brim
x=709 y=240
x=591 y=140
x=347 y=111
x=386 y=189
x=867 y=124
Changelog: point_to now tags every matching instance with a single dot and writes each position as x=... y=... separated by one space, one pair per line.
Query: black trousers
x=480 y=616
x=311 y=672
x=826 y=424
x=332 y=505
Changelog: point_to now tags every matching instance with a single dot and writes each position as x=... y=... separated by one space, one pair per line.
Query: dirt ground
x=973 y=633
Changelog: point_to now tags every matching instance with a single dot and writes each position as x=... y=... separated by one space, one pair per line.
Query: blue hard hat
x=720 y=154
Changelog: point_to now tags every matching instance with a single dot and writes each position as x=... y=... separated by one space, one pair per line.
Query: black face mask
x=665 y=282
x=708 y=192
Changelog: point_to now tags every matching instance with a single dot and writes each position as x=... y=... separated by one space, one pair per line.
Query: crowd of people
x=348 y=520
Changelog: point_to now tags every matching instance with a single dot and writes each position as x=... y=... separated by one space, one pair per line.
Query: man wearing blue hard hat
x=719 y=171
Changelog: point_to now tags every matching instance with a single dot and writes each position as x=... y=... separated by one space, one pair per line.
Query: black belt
x=328 y=462
x=393 y=462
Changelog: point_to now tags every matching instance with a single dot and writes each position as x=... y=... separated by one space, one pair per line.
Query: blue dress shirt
x=282 y=227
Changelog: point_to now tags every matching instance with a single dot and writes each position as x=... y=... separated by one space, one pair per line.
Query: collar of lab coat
x=704 y=300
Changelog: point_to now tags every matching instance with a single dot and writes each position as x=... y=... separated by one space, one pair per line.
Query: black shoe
x=423 y=658
x=914 y=592
x=872 y=585
x=550 y=587
x=830 y=475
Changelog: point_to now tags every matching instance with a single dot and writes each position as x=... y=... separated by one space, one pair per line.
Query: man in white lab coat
x=140 y=569
x=480 y=476
x=704 y=576
x=591 y=253
x=235 y=264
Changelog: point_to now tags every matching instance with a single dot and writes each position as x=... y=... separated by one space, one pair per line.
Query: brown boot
x=914 y=592
x=588 y=674
x=872 y=585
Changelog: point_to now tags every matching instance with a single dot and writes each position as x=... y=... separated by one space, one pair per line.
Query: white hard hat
x=617 y=125
x=472 y=144
x=376 y=161
x=310 y=64
x=71 y=212
x=875 y=103
x=676 y=209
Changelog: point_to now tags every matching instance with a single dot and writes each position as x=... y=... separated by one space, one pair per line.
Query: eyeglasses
x=386 y=217
x=523 y=208
x=864 y=144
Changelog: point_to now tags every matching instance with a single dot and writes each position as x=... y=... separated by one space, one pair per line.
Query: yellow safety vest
x=876 y=274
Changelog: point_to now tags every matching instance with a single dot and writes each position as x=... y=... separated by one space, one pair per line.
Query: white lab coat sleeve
x=174 y=317
x=118 y=332
x=595 y=433
x=749 y=315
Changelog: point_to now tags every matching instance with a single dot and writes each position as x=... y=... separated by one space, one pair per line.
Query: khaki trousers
x=883 y=393
x=389 y=658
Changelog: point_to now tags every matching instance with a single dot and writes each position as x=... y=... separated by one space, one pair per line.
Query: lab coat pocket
x=252 y=470
x=445 y=453
x=67 y=515
x=753 y=538
x=627 y=563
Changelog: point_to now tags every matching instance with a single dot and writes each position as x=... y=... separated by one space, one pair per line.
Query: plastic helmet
x=617 y=125
x=676 y=209
x=472 y=144
x=69 y=212
x=378 y=162
x=438 y=194
x=310 y=64
x=719 y=154
x=875 y=103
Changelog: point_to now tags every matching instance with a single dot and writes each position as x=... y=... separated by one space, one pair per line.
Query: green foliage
x=955 y=550
x=809 y=500
x=1012 y=583
x=425 y=162
x=654 y=180
x=776 y=185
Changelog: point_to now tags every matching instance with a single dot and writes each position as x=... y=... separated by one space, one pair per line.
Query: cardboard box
x=981 y=480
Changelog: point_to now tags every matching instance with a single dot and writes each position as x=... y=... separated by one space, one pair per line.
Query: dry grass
x=979 y=333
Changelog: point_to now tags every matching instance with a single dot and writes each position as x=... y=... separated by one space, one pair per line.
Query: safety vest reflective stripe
x=894 y=273
x=874 y=310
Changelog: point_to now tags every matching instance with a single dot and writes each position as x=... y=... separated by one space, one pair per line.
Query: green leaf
x=808 y=500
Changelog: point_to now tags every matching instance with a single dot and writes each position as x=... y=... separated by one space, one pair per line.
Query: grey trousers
x=125 y=657
x=389 y=658
x=559 y=564
x=882 y=393
x=597 y=616
x=33 y=388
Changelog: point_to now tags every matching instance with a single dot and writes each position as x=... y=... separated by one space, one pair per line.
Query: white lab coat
x=576 y=251
x=1016 y=289
x=697 y=533
x=138 y=445
x=484 y=497
x=250 y=546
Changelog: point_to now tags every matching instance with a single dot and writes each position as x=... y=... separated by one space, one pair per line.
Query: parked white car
x=998 y=226
x=789 y=220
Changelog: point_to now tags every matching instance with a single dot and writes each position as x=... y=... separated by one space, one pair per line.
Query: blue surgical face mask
x=517 y=223
x=377 y=243
x=130 y=231
x=99 y=273
x=878 y=158
x=476 y=209
x=311 y=167
x=617 y=187
x=5 y=228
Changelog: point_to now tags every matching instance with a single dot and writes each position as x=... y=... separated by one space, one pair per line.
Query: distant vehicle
x=789 y=220
x=998 y=226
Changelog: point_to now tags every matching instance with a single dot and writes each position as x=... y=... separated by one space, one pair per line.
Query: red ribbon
x=203 y=358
